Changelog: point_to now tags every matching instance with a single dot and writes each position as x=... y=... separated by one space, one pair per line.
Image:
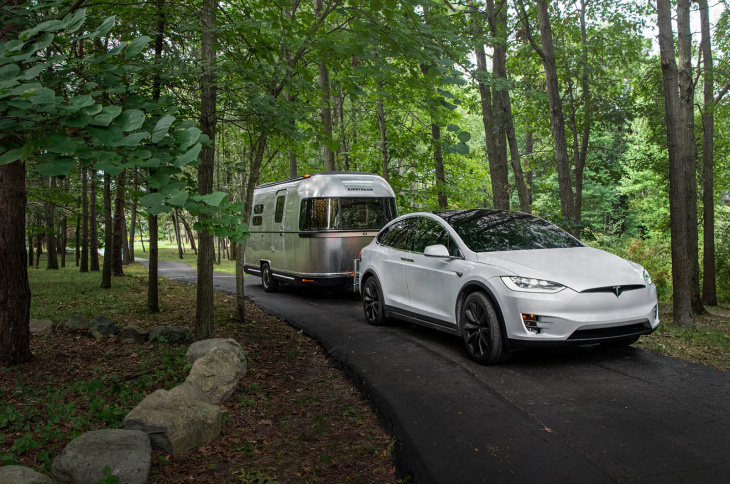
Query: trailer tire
x=267 y=279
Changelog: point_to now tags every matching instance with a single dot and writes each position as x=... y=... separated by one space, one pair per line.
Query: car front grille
x=612 y=332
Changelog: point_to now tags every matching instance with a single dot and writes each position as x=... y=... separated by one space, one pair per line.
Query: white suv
x=503 y=281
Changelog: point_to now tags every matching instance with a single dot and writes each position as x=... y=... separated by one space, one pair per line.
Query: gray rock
x=174 y=421
x=103 y=327
x=41 y=326
x=170 y=334
x=133 y=334
x=22 y=475
x=200 y=348
x=191 y=391
x=77 y=322
x=127 y=453
x=218 y=373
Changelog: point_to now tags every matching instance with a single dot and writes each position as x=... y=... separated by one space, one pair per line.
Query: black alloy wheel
x=267 y=279
x=372 y=302
x=481 y=330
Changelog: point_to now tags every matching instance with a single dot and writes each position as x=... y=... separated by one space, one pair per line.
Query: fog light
x=530 y=321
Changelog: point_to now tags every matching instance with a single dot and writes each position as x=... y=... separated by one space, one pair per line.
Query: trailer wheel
x=267 y=279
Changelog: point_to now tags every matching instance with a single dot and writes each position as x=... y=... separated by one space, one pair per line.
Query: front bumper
x=569 y=317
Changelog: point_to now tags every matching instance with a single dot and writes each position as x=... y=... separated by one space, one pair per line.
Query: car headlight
x=647 y=277
x=527 y=284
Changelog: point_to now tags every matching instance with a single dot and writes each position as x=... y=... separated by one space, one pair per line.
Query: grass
x=293 y=418
x=708 y=343
x=168 y=251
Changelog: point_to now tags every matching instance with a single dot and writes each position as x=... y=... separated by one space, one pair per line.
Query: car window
x=430 y=232
x=399 y=235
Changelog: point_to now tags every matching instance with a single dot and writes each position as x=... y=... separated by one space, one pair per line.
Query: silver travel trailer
x=309 y=230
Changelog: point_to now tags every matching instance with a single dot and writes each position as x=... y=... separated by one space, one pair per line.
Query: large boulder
x=133 y=334
x=127 y=453
x=218 y=373
x=203 y=347
x=77 y=322
x=22 y=475
x=103 y=327
x=170 y=334
x=177 y=420
x=41 y=326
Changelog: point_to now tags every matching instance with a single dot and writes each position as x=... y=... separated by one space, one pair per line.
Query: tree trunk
x=709 y=289
x=204 y=308
x=84 y=221
x=126 y=257
x=30 y=249
x=93 y=223
x=50 y=212
x=326 y=109
x=557 y=119
x=681 y=265
x=581 y=155
x=383 y=138
x=133 y=221
x=191 y=236
x=687 y=146
x=240 y=288
x=14 y=289
x=141 y=237
x=106 y=273
x=118 y=234
x=175 y=215
x=78 y=242
x=153 y=284
x=500 y=99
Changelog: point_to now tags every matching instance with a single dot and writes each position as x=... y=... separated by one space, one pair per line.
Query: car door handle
x=407 y=260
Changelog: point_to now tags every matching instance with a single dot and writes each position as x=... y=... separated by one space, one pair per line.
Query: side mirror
x=437 y=250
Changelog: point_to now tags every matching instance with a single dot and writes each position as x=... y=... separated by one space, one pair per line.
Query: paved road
x=578 y=415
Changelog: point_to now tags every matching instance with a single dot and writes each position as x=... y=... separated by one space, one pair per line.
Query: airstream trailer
x=309 y=230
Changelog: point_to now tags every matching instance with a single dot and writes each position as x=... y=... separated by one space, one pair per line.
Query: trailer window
x=346 y=213
x=279 y=212
x=257 y=220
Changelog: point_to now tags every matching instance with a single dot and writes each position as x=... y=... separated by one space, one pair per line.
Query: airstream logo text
x=357 y=189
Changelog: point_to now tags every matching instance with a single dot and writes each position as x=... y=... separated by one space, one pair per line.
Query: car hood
x=578 y=268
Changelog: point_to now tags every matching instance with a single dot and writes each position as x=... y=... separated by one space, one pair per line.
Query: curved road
x=580 y=415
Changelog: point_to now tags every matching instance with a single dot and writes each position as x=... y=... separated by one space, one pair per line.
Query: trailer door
x=278 y=246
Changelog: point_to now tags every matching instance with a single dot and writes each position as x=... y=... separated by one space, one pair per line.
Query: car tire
x=372 y=302
x=267 y=279
x=481 y=330
x=621 y=343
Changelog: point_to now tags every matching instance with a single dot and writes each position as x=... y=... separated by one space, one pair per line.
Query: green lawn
x=168 y=251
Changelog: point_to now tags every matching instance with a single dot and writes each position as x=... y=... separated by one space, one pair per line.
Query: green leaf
x=189 y=137
x=9 y=71
x=136 y=46
x=151 y=163
x=131 y=140
x=158 y=209
x=178 y=199
x=161 y=128
x=107 y=115
x=74 y=21
x=214 y=199
x=105 y=27
x=11 y=156
x=78 y=121
x=461 y=148
x=105 y=136
x=464 y=136
x=453 y=128
x=152 y=199
x=188 y=156
x=57 y=167
x=108 y=166
x=82 y=101
x=130 y=120
x=61 y=145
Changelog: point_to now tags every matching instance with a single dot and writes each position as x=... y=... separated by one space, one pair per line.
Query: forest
x=124 y=121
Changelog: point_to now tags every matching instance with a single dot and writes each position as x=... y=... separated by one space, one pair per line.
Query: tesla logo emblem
x=617 y=290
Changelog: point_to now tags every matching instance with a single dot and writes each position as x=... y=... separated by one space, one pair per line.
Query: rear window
x=495 y=230
x=346 y=213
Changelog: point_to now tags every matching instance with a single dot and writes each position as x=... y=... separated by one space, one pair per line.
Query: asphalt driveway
x=580 y=415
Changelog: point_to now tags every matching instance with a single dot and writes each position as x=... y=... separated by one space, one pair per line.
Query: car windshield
x=497 y=230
